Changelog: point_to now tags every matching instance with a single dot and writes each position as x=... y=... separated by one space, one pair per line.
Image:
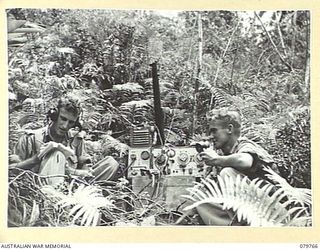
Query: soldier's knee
x=56 y=157
x=112 y=162
x=229 y=172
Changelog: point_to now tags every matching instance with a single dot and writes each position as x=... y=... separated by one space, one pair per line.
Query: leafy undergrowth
x=292 y=149
x=32 y=202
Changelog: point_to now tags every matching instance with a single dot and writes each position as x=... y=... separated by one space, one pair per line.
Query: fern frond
x=219 y=99
x=51 y=192
x=251 y=202
x=85 y=202
x=79 y=208
x=296 y=195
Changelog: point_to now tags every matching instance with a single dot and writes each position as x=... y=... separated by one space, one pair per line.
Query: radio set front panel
x=171 y=161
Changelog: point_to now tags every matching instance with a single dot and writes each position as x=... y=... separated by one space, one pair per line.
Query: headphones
x=53 y=113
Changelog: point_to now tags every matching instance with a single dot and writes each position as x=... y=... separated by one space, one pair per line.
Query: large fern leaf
x=84 y=203
x=296 y=195
x=251 y=202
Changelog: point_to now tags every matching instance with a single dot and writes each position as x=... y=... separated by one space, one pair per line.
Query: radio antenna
x=158 y=112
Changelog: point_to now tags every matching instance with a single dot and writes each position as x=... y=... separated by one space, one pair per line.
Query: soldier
x=237 y=156
x=63 y=128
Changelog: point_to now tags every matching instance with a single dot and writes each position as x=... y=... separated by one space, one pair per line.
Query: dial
x=199 y=158
x=183 y=157
x=171 y=153
x=145 y=155
x=161 y=159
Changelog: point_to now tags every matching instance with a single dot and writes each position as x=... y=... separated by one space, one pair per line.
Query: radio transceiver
x=161 y=169
x=177 y=168
x=169 y=161
x=144 y=158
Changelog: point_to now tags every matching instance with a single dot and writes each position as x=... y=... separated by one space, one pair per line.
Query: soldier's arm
x=24 y=156
x=240 y=161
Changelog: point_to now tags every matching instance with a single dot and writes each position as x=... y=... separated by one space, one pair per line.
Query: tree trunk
x=293 y=44
x=220 y=61
x=232 y=70
x=273 y=44
x=307 y=70
x=197 y=83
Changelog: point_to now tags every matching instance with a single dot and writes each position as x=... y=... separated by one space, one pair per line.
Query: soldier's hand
x=14 y=159
x=84 y=159
x=209 y=156
x=86 y=173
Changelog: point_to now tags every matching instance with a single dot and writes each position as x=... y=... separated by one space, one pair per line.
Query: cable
x=158 y=131
x=123 y=171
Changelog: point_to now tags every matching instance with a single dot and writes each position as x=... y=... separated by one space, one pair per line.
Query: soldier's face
x=219 y=134
x=65 y=121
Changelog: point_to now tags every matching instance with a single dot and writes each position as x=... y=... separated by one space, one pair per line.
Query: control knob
x=145 y=155
x=161 y=159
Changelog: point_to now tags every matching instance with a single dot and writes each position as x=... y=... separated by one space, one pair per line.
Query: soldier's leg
x=213 y=214
x=230 y=172
x=106 y=169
